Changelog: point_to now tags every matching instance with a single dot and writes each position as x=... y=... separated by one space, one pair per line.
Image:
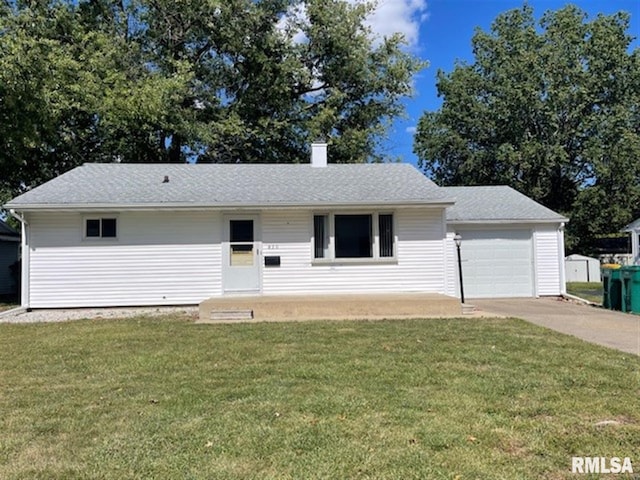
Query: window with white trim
x=353 y=236
x=103 y=227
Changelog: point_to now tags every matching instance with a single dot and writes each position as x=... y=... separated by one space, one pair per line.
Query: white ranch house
x=167 y=234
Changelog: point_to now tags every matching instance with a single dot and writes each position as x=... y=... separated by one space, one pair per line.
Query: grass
x=588 y=291
x=419 y=399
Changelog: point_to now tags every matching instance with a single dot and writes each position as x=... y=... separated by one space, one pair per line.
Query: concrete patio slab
x=594 y=324
x=330 y=307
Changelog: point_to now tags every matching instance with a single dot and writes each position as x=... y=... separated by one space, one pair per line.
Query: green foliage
x=204 y=80
x=550 y=109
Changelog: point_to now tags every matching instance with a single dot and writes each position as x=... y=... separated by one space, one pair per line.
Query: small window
x=101 y=228
x=241 y=231
x=353 y=236
x=321 y=236
x=93 y=228
x=385 y=228
x=241 y=243
x=109 y=227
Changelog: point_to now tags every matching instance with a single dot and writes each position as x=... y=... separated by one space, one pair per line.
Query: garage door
x=497 y=263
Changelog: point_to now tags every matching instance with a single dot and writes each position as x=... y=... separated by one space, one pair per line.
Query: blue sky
x=440 y=32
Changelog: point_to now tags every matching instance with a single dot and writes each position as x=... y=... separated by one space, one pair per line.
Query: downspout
x=24 y=301
x=563 y=281
x=534 y=262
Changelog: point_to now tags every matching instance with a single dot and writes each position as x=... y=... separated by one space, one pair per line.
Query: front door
x=241 y=265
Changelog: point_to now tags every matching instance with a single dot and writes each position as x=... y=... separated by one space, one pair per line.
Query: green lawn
x=421 y=399
x=588 y=291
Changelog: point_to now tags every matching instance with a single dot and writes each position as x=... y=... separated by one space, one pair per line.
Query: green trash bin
x=611 y=287
x=630 y=279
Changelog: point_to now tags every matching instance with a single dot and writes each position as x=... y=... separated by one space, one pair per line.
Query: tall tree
x=550 y=108
x=271 y=75
x=199 y=80
x=73 y=89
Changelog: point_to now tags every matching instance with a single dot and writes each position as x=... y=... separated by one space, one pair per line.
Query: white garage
x=511 y=246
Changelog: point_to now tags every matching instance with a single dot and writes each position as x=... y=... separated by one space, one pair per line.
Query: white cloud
x=411 y=130
x=389 y=17
x=398 y=16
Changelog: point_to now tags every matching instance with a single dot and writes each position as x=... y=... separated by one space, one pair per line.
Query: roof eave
x=440 y=203
x=632 y=227
x=505 y=221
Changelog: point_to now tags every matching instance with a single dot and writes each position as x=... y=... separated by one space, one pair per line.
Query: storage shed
x=579 y=268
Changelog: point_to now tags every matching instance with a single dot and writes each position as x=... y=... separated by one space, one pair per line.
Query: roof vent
x=319 y=154
x=166 y=179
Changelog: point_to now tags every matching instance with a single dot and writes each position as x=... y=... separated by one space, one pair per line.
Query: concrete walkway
x=596 y=325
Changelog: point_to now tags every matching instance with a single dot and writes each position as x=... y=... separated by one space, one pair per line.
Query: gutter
x=13 y=213
x=75 y=207
x=24 y=277
x=505 y=221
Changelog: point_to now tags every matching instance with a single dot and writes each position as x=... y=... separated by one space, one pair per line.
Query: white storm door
x=241 y=255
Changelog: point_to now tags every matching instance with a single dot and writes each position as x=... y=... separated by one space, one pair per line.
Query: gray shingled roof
x=219 y=185
x=496 y=204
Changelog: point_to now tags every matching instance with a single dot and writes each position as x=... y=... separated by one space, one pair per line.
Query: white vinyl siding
x=451 y=267
x=549 y=261
x=159 y=258
x=419 y=268
x=173 y=258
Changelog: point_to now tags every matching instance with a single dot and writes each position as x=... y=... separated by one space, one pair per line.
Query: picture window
x=353 y=236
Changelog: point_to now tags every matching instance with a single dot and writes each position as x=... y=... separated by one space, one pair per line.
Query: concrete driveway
x=596 y=325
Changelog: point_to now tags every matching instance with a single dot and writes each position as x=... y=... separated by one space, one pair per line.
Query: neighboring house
x=579 y=268
x=9 y=252
x=511 y=245
x=127 y=234
x=634 y=230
